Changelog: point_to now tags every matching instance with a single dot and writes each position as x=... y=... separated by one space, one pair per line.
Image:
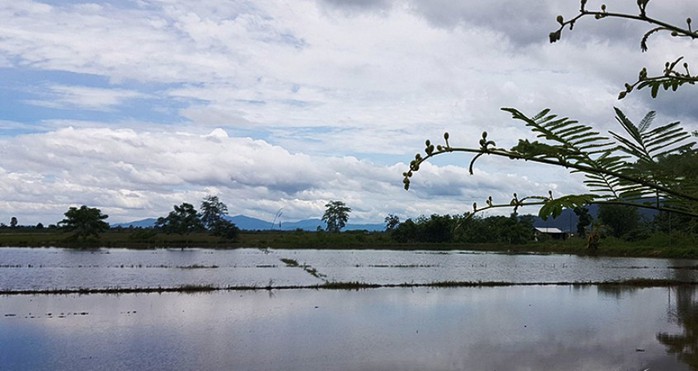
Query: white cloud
x=290 y=104
x=87 y=98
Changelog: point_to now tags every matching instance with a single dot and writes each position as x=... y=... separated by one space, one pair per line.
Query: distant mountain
x=143 y=223
x=567 y=221
x=306 y=225
x=253 y=224
x=249 y=224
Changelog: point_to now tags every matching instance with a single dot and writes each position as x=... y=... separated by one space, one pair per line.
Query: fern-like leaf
x=573 y=143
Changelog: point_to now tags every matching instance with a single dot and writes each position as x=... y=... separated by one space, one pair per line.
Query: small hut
x=553 y=233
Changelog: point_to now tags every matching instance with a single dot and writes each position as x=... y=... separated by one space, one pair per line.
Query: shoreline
x=659 y=246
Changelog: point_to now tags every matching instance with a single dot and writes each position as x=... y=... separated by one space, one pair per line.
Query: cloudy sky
x=133 y=106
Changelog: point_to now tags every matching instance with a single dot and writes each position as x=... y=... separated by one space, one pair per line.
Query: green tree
x=85 y=222
x=212 y=211
x=406 y=231
x=609 y=163
x=621 y=219
x=391 y=222
x=183 y=220
x=682 y=166
x=437 y=228
x=13 y=222
x=336 y=216
x=583 y=221
x=446 y=228
x=225 y=229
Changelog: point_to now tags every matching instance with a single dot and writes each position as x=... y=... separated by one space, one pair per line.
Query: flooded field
x=42 y=269
x=502 y=328
x=530 y=327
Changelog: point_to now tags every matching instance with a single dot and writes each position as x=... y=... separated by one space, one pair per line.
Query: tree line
x=88 y=222
x=619 y=221
x=462 y=229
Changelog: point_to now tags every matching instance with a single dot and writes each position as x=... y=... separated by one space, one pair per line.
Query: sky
x=278 y=107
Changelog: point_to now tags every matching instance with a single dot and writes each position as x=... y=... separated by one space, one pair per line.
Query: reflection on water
x=685 y=314
x=566 y=327
x=37 y=269
x=501 y=328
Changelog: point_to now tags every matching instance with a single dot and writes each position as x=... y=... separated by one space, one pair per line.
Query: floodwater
x=52 y=268
x=553 y=327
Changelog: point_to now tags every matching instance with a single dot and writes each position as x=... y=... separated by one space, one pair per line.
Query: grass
x=198 y=266
x=355 y=285
x=289 y=262
x=293 y=263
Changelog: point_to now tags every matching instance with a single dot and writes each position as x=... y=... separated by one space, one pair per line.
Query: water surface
x=503 y=328
x=532 y=327
x=53 y=268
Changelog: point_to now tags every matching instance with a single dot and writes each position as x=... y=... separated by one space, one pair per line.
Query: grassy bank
x=659 y=245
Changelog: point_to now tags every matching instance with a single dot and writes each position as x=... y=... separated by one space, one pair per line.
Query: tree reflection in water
x=684 y=345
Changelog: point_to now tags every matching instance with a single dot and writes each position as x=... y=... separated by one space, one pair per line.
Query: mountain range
x=253 y=224
x=566 y=222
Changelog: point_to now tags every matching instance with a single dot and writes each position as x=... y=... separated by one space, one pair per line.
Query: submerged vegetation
x=351 y=285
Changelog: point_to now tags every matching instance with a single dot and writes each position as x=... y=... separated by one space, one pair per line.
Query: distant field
x=657 y=246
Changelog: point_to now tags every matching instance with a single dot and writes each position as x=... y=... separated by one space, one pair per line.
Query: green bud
x=446 y=135
x=560 y=20
x=554 y=36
